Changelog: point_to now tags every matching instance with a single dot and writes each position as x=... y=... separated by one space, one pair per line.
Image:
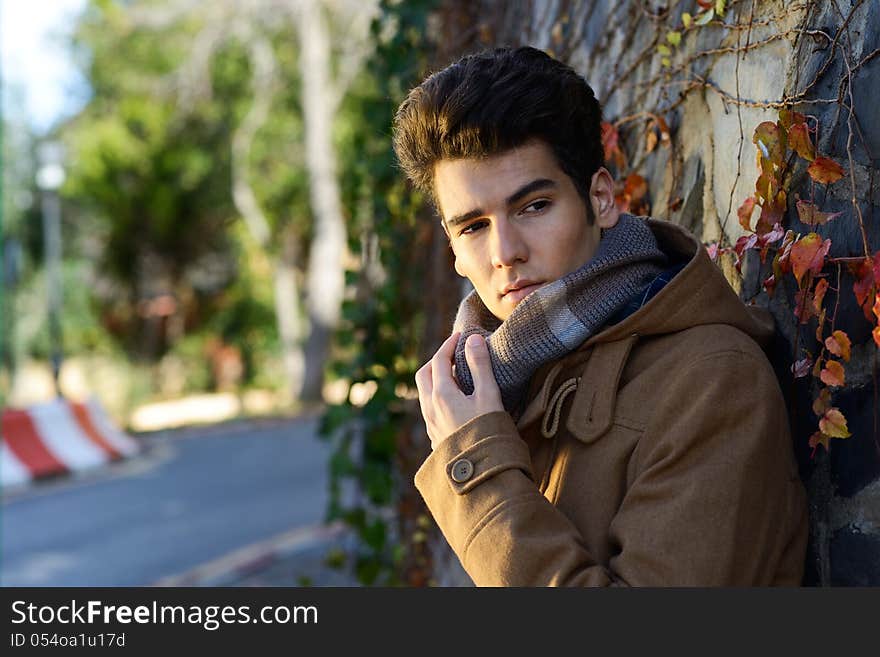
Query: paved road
x=192 y=498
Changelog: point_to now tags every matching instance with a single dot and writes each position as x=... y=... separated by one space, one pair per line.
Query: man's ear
x=602 y=199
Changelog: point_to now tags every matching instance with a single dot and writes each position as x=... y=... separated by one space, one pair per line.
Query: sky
x=38 y=76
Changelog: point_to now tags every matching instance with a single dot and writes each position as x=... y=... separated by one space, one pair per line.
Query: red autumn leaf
x=772 y=213
x=801 y=368
x=767 y=239
x=770 y=284
x=706 y=4
x=819 y=294
x=782 y=259
x=820 y=325
x=808 y=254
x=771 y=142
x=876 y=308
x=825 y=170
x=745 y=213
x=817 y=439
x=823 y=402
x=863 y=273
x=611 y=145
x=789 y=118
x=712 y=250
x=838 y=344
x=799 y=140
x=833 y=424
x=833 y=374
x=810 y=215
x=803 y=307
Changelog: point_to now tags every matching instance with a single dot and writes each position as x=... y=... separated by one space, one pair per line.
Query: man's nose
x=508 y=246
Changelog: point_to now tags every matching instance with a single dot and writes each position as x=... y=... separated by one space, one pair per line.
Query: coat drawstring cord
x=554 y=408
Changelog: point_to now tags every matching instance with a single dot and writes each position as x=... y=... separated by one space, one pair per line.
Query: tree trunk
x=325 y=278
x=288 y=315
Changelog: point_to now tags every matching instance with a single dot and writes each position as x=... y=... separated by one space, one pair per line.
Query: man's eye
x=536 y=206
x=472 y=228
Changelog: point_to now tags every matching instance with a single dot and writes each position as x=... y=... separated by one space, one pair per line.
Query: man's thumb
x=476 y=351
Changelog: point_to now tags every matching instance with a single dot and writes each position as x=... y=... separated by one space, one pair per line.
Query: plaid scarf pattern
x=557 y=318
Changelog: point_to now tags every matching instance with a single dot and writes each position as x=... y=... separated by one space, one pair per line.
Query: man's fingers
x=477 y=354
x=441 y=363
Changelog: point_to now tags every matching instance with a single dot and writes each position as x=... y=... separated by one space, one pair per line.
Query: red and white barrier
x=58 y=437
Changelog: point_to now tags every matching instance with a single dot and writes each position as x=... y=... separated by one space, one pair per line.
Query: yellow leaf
x=719 y=7
x=833 y=424
x=674 y=37
x=664 y=50
x=686 y=19
x=665 y=61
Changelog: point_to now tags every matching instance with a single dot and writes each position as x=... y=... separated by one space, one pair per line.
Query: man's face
x=515 y=222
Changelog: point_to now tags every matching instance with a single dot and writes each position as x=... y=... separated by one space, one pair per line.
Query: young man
x=603 y=413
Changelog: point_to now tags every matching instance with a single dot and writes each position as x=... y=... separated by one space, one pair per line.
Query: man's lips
x=521 y=291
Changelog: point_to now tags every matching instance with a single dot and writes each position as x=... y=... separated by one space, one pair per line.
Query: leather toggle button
x=462 y=470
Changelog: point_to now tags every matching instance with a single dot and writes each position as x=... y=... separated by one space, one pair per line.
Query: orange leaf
x=822 y=403
x=635 y=187
x=838 y=344
x=820 y=325
x=833 y=424
x=819 y=294
x=745 y=213
x=789 y=118
x=810 y=215
x=876 y=335
x=833 y=375
x=825 y=170
x=808 y=254
x=650 y=140
x=799 y=140
x=876 y=308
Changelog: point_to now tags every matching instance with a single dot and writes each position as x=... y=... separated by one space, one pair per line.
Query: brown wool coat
x=656 y=454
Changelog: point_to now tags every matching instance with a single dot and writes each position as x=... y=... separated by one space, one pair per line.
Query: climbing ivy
x=378 y=342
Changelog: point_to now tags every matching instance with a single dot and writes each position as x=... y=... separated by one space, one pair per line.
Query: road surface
x=195 y=496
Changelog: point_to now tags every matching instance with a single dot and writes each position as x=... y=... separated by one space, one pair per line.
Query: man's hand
x=444 y=406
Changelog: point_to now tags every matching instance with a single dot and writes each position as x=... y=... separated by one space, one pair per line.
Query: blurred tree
x=333 y=42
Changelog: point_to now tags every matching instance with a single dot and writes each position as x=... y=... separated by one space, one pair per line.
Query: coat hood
x=699 y=294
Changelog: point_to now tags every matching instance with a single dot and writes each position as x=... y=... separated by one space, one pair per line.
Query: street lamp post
x=50 y=177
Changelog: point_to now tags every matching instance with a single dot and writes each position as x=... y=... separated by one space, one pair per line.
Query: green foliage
x=379 y=335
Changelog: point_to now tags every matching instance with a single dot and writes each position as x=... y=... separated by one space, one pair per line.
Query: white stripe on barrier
x=123 y=443
x=12 y=471
x=63 y=437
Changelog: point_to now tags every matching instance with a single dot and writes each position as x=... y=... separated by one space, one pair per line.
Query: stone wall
x=720 y=82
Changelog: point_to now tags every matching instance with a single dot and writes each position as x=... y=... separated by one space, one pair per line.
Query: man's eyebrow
x=462 y=218
x=525 y=190
x=528 y=188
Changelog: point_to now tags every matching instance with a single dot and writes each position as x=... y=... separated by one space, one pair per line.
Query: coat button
x=462 y=470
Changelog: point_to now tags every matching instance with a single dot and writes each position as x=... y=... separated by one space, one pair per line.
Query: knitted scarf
x=557 y=318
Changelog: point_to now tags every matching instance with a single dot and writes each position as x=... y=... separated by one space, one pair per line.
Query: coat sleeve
x=713 y=499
